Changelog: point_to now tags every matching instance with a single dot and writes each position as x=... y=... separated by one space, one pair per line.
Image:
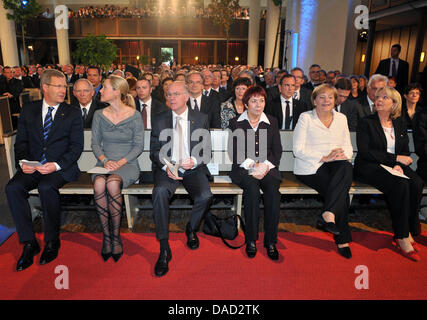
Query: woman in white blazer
x=322 y=150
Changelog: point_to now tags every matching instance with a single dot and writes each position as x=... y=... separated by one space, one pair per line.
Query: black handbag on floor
x=224 y=228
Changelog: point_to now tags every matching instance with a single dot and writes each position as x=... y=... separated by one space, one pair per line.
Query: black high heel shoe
x=345 y=252
x=327 y=226
x=105 y=255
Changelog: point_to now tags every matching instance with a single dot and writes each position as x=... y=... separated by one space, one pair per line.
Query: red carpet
x=309 y=268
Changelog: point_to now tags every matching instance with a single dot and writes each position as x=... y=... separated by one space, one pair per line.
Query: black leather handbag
x=224 y=228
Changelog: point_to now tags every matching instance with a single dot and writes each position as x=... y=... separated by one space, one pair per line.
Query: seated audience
x=234 y=106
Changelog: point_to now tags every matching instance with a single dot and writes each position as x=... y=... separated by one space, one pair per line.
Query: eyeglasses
x=195 y=82
x=174 y=94
x=58 y=86
x=84 y=91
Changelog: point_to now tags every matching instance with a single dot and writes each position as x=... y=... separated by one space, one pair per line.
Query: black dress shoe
x=251 y=249
x=50 y=251
x=192 y=240
x=272 y=252
x=31 y=248
x=345 y=252
x=327 y=226
x=161 y=267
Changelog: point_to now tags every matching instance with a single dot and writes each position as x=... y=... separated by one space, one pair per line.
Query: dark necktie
x=47 y=125
x=288 y=116
x=394 y=70
x=196 y=107
x=205 y=93
x=144 y=115
x=84 y=114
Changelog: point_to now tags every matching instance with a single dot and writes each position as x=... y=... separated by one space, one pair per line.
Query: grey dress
x=123 y=140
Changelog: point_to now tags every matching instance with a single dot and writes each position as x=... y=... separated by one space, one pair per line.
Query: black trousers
x=17 y=193
x=333 y=180
x=403 y=198
x=251 y=200
x=196 y=183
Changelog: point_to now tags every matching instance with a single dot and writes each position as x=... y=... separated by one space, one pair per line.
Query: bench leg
x=237 y=207
x=351 y=198
x=34 y=202
x=131 y=208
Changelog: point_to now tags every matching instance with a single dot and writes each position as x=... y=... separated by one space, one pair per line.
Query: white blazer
x=312 y=140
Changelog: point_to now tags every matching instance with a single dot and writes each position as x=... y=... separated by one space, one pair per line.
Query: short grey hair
x=194 y=72
x=376 y=78
x=86 y=81
x=119 y=72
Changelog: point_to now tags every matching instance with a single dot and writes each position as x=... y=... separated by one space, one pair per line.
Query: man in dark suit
x=70 y=76
x=314 y=74
x=395 y=67
x=224 y=94
x=147 y=105
x=366 y=104
x=179 y=146
x=285 y=108
x=301 y=93
x=50 y=132
x=197 y=101
x=94 y=75
x=11 y=88
x=36 y=77
x=346 y=106
x=273 y=93
x=83 y=92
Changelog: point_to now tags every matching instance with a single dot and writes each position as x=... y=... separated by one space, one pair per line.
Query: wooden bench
x=289 y=185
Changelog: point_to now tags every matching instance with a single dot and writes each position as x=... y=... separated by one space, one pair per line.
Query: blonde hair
x=118 y=83
x=393 y=94
x=321 y=89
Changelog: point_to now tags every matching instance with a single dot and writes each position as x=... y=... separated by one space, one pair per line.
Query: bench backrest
x=219 y=151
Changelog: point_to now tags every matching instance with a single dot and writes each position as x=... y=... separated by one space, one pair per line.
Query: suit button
x=44 y=149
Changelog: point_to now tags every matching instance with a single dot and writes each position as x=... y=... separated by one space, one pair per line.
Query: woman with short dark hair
x=255 y=143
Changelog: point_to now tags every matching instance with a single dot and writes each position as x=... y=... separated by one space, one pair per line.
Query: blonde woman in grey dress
x=117 y=141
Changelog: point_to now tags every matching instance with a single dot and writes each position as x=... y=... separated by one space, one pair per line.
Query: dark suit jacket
x=74 y=78
x=156 y=106
x=271 y=151
x=223 y=94
x=402 y=72
x=350 y=109
x=274 y=108
x=64 y=144
x=95 y=105
x=305 y=97
x=273 y=93
x=419 y=130
x=363 y=108
x=14 y=87
x=164 y=120
x=372 y=145
x=211 y=107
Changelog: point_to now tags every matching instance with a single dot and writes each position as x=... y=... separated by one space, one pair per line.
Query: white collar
x=45 y=105
x=183 y=115
x=148 y=103
x=244 y=116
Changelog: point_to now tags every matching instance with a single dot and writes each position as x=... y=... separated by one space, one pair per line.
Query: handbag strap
x=242 y=223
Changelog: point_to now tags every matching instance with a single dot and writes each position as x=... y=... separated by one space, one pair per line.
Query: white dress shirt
x=312 y=140
x=185 y=136
x=199 y=102
x=85 y=106
x=249 y=162
x=148 y=108
x=371 y=104
x=283 y=101
x=391 y=140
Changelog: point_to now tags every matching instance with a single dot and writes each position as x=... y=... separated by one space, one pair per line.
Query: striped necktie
x=47 y=125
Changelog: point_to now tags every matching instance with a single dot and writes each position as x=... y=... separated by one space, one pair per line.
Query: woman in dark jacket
x=382 y=140
x=255 y=143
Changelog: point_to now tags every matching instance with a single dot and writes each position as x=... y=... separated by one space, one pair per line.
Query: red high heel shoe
x=412 y=255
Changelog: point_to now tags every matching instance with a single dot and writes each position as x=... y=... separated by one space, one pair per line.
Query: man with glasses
x=199 y=102
x=50 y=135
x=301 y=93
x=84 y=93
x=180 y=122
x=314 y=74
x=285 y=108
